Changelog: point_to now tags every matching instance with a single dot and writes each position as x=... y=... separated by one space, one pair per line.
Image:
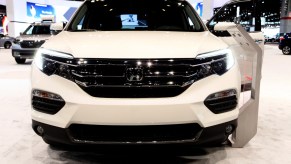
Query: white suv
x=135 y=72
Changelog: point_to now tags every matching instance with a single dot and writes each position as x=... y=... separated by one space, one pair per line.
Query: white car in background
x=6 y=41
x=128 y=72
x=25 y=46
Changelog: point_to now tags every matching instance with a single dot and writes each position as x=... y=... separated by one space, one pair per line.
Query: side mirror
x=57 y=26
x=21 y=33
x=224 y=26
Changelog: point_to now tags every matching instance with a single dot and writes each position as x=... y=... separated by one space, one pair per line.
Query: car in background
x=274 y=39
x=25 y=46
x=6 y=41
x=266 y=39
x=285 y=45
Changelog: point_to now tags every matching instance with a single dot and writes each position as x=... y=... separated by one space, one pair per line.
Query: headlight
x=16 y=41
x=45 y=61
x=217 y=62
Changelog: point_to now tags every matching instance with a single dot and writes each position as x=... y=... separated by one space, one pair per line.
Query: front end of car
x=25 y=48
x=134 y=101
x=144 y=74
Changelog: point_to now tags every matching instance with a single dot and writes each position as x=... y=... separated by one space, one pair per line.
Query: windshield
x=252 y=16
x=37 y=30
x=151 y=15
x=233 y=11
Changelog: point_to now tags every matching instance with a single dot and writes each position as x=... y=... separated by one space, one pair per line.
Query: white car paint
x=135 y=44
x=185 y=108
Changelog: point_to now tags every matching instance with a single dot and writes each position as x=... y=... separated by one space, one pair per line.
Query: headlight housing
x=216 y=62
x=46 y=61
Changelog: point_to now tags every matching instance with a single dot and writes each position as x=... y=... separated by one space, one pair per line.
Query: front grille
x=159 y=133
x=221 y=105
x=135 y=78
x=47 y=105
x=31 y=44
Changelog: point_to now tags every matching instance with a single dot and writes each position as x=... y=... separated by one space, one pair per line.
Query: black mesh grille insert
x=122 y=78
x=105 y=133
x=47 y=105
x=222 y=104
x=134 y=78
x=31 y=43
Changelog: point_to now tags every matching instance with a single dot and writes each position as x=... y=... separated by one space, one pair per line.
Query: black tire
x=7 y=45
x=286 y=50
x=20 y=61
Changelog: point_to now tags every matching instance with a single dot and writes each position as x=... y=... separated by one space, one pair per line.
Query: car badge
x=134 y=74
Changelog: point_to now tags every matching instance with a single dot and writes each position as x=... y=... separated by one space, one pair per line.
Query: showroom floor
x=272 y=144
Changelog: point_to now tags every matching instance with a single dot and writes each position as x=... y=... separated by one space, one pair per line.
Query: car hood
x=34 y=37
x=135 y=44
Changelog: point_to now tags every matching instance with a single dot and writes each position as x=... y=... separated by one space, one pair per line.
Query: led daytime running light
x=214 y=53
x=42 y=51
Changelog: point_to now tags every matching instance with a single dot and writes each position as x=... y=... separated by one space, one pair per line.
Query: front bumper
x=23 y=53
x=157 y=134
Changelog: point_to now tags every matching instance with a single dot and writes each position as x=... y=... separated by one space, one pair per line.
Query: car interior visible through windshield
x=131 y=15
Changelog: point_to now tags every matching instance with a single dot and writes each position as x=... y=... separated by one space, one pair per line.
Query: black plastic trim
x=25 y=54
x=47 y=105
x=221 y=105
x=206 y=136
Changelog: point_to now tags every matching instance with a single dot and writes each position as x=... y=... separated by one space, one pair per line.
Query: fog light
x=228 y=129
x=47 y=102
x=40 y=130
x=222 y=94
x=222 y=101
x=47 y=95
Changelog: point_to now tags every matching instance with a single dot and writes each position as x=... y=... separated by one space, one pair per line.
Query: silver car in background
x=25 y=45
x=6 y=41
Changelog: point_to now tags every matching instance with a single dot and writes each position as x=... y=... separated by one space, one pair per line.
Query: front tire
x=286 y=50
x=7 y=45
x=20 y=61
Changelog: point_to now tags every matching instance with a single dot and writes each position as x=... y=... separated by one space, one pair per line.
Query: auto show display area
x=23 y=13
x=19 y=144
